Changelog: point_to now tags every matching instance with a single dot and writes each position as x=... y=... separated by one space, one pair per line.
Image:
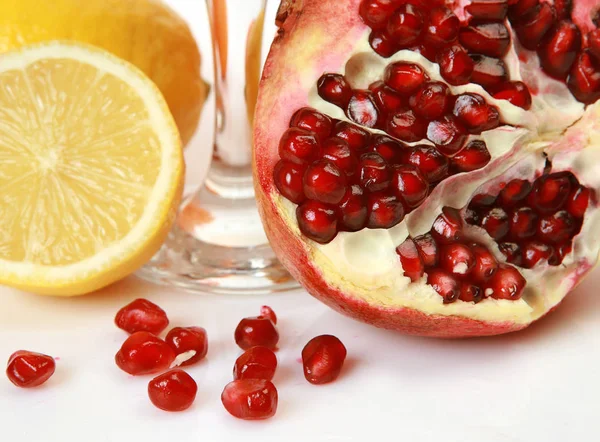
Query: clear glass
x=218 y=243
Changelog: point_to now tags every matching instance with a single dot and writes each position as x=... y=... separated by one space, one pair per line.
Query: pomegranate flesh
x=142 y=315
x=27 y=369
x=174 y=390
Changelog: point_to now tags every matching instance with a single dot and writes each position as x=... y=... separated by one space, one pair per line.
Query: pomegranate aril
x=447 y=227
x=444 y=284
x=267 y=312
x=335 y=89
x=516 y=92
x=141 y=315
x=457 y=259
x=386 y=98
x=556 y=228
x=322 y=359
x=427 y=51
x=496 y=223
x=405 y=25
x=353 y=210
x=511 y=251
x=338 y=152
x=428 y=249
x=441 y=27
x=533 y=252
x=477 y=116
x=491 y=39
x=432 y=164
x=256 y=331
x=448 y=135
x=389 y=149
x=523 y=223
x=384 y=210
x=560 y=252
x=593 y=40
x=470 y=293
x=514 y=192
x=312 y=121
x=485 y=263
x=483 y=201
x=431 y=101
x=298 y=146
x=488 y=9
x=405 y=78
x=250 y=399
x=456 y=66
x=27 y=369
x=356 y=137
x=531 y=32
x=488 y=72
x=584 y=79
x=409 y=183
x=255 y=363
x=317 y=221
x=143 y=353
x=406 y=126
x=173 y=391
x=558 y=50
x=564 y=8
x=549 y=193
x=473 y=157
x=288 y=178
x=519 y=10
x=185 y=339
x=374 y=173
x=376 y=13
x=324 y=182
x=578 y=201
x=507 y=283
x=362 y=109
x=411 y=261
x=382 y=43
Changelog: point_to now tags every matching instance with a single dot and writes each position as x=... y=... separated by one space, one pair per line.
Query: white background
x=541 y=384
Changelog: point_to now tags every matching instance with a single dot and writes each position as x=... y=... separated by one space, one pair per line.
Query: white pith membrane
x=365 y=264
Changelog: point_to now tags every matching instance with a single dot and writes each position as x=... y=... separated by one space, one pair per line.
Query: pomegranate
x=184 y=340
x=174 y=390
x=254 y=331
x=267 y=312
x=143 y=353
x=255 y=363
x=476 y=215
x=322 y=359
x=142 y=315
x=27 y=369
x=250 y=399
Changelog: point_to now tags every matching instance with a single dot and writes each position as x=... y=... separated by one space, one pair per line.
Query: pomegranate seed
x=496 y=223
x=250 y=399
x=561 y=251
x=406 y=126
x=427 y=51
x=356 y=137
x=514 y=192
x=485 y=264
x=312 y=121
x=184 y=339
x=338 y=152
x=324 y=182
x=363 y=110
x=385 y=211
x=389 y=149
x=507 y=283
x=473 y=157
x=431 y=101
x=457 y=259
x=335 y=89
x=405 y=25
x=475 y=114
x=323 y=358
x=456 y=66
x=558 y=50
x=142 y=315
x=405 y=78
x=374 y=173
x=255 y=363
x=385 y=97
x=444 y=284
x=535 y=251
x=523 y=223
x=255 y=331
x=432 y=164
x=520 y=10
x=448 y=226
x=593 y=39
x=491 y=39
x=353 y=210
x=578 y=201
x=382 y=44
x=448 y=135
x=143 y=353
x=483 y=201
x=550 y=193
x=174 y=390
x=564 y=8
x=298 y=146
x=511 y=251
x=442 y=27
x=267 y=312
x=409 y=183
x=427 y=248
x=556 y=228
x=317 y=221
x=288 y=178
x=376 y=13
x=516 y=92
x=584 y=80
x=488 y=72
x=470 y=293
x=27 y=369
x=488 y=9
x=531 y=32
x=411 y=261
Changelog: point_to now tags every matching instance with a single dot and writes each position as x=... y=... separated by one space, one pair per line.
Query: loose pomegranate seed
x=338 y=152
x=473 y=157
x=324 y=182
x=427 y=248
x=382 y=44
x=298 y=146
x=385 y=97
x=550 y=193
x=356 y=137
x=470 y=293
x=514 y=192
x=456 y=66
x=384 y=211
x=288 y=178
x=535 y=251
x=507 y=283
x=531 y=32
x=174 y=390
x=317 y=221
x=255 y=363
x=516 y=92
x=185 y=339
x=457 y=259
x=390 y=150
x=405 y=25
x=405 y=78
x=432 y=164
x=523 y=223
x=584 y=80
x=431 y=101
x=411 y=261
x=444 y=284
x=323 y=358
x=256 y=331
x=593 y=40
x=250 y=399
x=376 y=13
x=558 y=50
x=374 y=173
x=353 y=209
x=488 y=9
x=475 y=114
x=409 y=183
x=312 y=121
x=406 y=126
x=442 y=27
x=520 y=10
x=27 y=369
x=556 y=228
x=485 y=264
x=142 y=315
x=448 y=226
x=491 y=39
x=363 y=110
x=578 y=201
x=335 y=89
x=267 y=312
x=143 y=353
x=564 y=8
x=448 y=135
x=488 y=72
x=496 y=223
x=512 y=252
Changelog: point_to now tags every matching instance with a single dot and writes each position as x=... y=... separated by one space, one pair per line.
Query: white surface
x=541 y=384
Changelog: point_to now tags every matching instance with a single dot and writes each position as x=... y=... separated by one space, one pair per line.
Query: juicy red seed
x=475 y=114
x=409 y=183
x=507 y=283
x=173 y=391
x=142 y=315
x=593 y=39
x=376 y=13
x=488 y=9
x=428 y=249
x=473 y=157
x=384 y=211
x=483 y=201
x=374 y=173
x=457 y=259
x=322 y=359
x=335 y=89
x=441 y=28
x=448 y=226
x=353 y=210
x=456 y=66
x=427 y=51
x=564 y=8
x=184 y=339
x=143 y=353
x=558 y=50
x=448 y=135
x=382 y=44
x=519 y=10
x=411 y=261
x=514 y=192
x=256 y=331
x=267 y=312
x=556 y=228
x=561 y=251
x=531 y=32
x=363 y=110
x=27 y=369
x=491 y=39
x=312 y=121
x=406 y=126
x=432 y=164
x=338 y=152
x=550 y=193
x=444 y=284
x=578 y=201
x=298 y=146
x=324 y=182
x=390 y=150
x=512 y=252
x=288 y=178
x=250 y=399
x=405 y=25
x=385 y=97
x=488 y=72
x=255 y=363
x=470 y=293
x=523 y=223
x=516 y=92
x=584 y=80
x=356 y=137
x=431 y=101
x=535 y=251
x=317 y=221
x=496 y=223
x=405 y=78
x=485 y=263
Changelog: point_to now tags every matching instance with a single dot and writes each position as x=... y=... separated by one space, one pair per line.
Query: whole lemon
x=146 y=33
